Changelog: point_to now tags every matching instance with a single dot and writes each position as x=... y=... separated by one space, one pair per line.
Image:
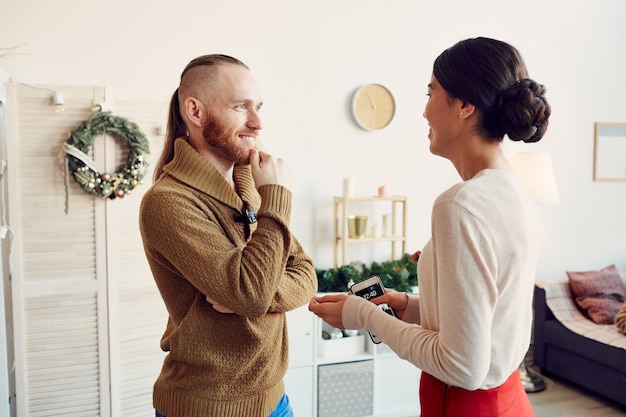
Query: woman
x=469 y=329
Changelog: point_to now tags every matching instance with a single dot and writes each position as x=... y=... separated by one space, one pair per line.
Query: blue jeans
x=283 y=409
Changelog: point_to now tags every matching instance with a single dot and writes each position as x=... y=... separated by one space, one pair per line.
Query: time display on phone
x=372 y=291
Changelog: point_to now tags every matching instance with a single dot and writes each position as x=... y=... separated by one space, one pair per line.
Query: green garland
x=85 y=171
x=399 y=274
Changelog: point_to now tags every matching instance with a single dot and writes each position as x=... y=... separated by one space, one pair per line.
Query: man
x=215 y=228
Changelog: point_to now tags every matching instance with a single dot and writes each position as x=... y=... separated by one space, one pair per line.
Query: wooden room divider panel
x=87 y=317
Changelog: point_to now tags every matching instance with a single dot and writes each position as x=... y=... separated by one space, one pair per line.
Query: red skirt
x=440 y=400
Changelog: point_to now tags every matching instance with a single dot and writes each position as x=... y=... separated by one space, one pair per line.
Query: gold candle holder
x=357 y=226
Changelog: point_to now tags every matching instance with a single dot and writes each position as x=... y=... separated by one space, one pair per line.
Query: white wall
x=309 y=56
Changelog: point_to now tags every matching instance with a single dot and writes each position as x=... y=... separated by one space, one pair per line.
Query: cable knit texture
x=198 y=245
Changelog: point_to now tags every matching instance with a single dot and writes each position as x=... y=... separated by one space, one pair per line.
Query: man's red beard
x=221 y=140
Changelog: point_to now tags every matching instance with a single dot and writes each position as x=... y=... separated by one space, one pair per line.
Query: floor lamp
x=535 y=169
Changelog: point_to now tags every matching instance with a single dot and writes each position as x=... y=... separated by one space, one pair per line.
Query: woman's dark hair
x=176 y=126
x=491 y=75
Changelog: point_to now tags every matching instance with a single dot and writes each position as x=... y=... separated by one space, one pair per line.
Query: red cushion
x=599 y=294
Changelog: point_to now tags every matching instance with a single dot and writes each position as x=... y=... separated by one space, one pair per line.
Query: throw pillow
x=599 y=294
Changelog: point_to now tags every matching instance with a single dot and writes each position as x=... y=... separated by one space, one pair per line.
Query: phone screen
x=372 y=291
x=368 y=292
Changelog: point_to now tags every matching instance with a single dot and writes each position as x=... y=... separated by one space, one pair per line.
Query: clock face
x=373 y=106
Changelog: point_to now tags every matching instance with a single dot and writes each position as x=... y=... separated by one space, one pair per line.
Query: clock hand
x=369 y=93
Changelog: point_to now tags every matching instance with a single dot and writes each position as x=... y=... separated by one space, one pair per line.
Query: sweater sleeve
x=298 y=281
x=186 y=237
x=412 y=312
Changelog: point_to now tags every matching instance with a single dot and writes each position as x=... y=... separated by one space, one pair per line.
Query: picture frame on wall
x=609 y=151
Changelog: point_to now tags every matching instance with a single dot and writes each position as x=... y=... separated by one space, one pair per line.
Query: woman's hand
x=329 y=308
x=398 y=301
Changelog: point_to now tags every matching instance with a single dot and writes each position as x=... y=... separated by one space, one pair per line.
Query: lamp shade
x=535 y=170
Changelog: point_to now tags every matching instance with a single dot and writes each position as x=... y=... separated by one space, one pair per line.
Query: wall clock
x=373 y=106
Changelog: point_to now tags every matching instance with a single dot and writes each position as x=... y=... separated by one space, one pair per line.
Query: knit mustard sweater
x=198 y=244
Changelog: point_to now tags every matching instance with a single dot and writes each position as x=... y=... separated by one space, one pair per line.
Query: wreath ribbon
x=83 y=157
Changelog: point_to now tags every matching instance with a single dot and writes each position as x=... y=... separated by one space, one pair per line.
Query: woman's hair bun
x=523 y=111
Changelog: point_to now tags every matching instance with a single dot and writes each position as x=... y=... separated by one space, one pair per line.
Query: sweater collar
x=190 y=167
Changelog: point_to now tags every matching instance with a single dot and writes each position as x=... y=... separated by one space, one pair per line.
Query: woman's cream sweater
x=476 y=278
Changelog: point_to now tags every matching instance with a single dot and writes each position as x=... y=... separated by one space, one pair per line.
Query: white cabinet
x=396 y=387
x=396 y=219
x=313 y=361
x=300 y=387
x=300 y=377
x=301 y=325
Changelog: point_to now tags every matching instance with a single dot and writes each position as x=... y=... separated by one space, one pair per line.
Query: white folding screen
x=5 y=243
x=87 y=317
x=136 y=313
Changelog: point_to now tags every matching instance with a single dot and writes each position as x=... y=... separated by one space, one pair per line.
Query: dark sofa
x=559 y=351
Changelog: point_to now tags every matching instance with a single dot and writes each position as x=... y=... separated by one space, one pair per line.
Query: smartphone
x=372 y=287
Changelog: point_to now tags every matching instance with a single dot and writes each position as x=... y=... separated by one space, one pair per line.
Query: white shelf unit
x=394 y=387
x=398 y=206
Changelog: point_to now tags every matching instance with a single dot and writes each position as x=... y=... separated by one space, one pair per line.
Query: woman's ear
x=466 y=110
x=193 y=108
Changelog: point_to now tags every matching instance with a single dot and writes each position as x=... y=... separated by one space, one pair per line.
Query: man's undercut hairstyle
x=194 y=81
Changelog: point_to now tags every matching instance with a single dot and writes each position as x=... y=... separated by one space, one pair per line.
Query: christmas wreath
x=84 y=169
